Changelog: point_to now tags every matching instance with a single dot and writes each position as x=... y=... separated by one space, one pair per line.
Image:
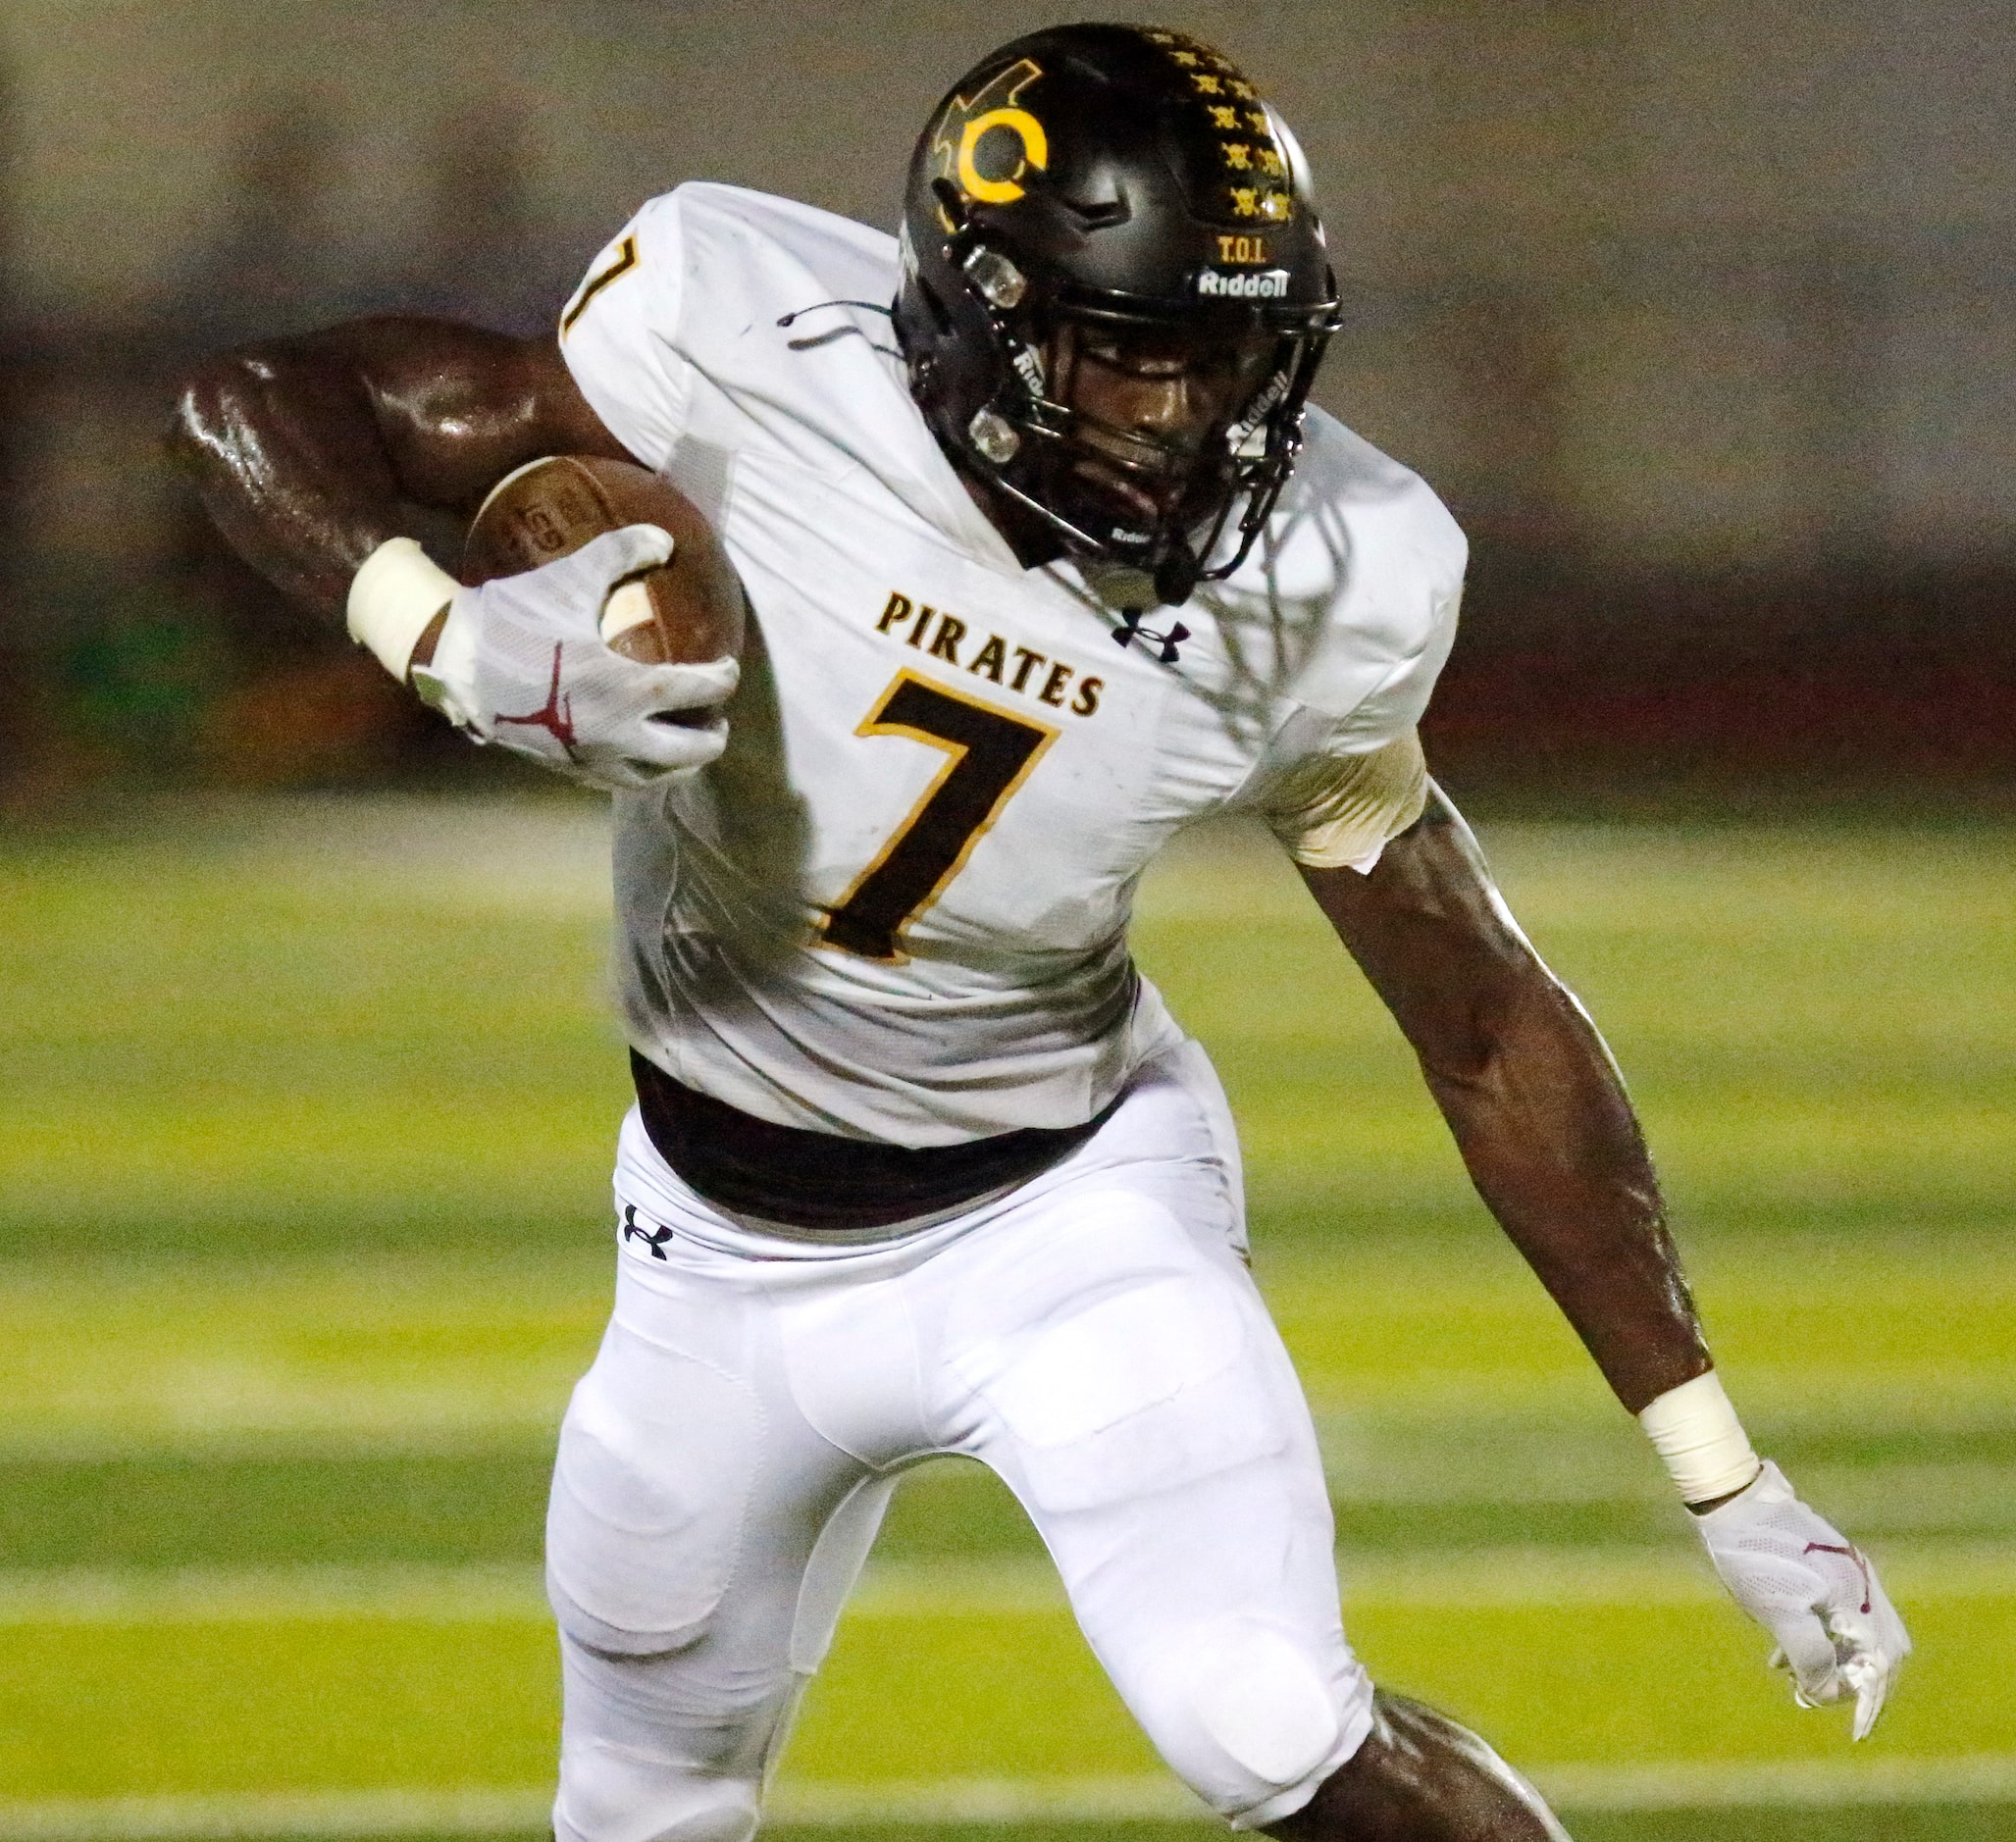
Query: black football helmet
x=1092 y=190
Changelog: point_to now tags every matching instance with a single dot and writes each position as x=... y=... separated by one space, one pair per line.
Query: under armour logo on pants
x=655 y=1240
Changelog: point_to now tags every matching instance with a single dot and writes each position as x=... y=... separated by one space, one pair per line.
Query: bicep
x=307 y=450
x=457 y=407
x=1432 y=933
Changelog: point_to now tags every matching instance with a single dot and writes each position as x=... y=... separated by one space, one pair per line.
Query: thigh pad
x=658 y=1461
x=1129 y=1382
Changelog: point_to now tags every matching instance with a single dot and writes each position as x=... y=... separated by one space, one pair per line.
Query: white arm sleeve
x=620 y=333
x=1333 y=810
x=1365 y=781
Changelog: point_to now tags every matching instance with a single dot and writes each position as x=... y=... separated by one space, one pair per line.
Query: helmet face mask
x=1139 y=427
x=1089 y=339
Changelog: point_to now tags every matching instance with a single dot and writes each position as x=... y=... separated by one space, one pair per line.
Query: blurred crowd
x=1736 y=466
x=136 y=642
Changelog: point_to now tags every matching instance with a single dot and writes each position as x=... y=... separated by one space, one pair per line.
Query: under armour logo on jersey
x=1132 y=630
x=555 y=715
x=654 y=1239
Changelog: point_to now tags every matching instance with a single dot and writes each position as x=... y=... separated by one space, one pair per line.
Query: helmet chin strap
x=1174 y=577
x=1075 y=541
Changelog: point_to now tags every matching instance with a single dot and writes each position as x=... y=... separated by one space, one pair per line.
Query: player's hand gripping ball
x=1814 y=1591
x=599 y=627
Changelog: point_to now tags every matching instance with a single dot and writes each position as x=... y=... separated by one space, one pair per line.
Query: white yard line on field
x=1474 y=1579
x=1805 y=1784
x=1979 y=1778
x=269 y=1595
x=93 y=1369
x=545 y=855
x=273 y=1814
x=435 y=1427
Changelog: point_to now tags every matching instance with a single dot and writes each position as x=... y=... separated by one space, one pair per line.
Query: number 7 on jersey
x=990 y=754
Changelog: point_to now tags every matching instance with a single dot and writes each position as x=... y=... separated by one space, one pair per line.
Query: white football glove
x=521 y=662
x=1813 y=1589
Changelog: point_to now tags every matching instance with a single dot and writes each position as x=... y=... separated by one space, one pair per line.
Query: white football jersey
x=897 y=907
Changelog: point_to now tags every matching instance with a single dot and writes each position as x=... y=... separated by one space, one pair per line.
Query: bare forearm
x=1550 y=1141
x=1535 y=1104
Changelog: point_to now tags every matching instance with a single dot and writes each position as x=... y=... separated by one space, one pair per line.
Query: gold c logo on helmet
x=968 y=118
x=1035 y=153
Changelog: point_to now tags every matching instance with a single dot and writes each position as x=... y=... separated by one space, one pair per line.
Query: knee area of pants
x=608 y=1797
x=1257 y=1699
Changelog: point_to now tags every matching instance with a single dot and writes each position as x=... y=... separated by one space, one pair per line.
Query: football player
x=1047 y=558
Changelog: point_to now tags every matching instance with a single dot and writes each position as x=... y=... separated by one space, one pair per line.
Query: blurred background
x=1702 y=316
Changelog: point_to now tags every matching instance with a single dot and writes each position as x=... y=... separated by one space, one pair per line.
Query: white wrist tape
x=1695 y=1430
x=394 y=597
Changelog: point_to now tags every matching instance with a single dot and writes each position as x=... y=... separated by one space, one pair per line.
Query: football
x=684 y=612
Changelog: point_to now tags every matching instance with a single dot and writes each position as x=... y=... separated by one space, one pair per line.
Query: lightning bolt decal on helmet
x=1113 y=181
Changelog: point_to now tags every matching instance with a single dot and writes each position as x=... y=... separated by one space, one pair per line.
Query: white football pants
x=1093 y=1337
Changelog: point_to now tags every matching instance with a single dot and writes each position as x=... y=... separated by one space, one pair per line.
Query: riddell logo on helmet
x=1269 y=284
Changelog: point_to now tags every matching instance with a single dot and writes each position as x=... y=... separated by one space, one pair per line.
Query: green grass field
x=303 y=1168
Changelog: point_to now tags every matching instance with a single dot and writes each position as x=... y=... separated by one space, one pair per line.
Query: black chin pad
x=1175 y=577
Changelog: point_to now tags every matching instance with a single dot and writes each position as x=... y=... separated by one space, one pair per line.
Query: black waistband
x=819 y=1180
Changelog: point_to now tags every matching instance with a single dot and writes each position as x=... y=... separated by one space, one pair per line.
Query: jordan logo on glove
x=1854 y=1554
x=555 y=716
